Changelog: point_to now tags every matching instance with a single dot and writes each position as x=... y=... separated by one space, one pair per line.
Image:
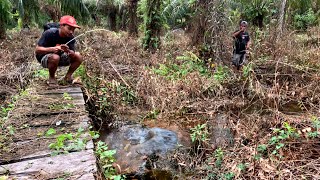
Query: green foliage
x=104 y=103
x=247 y=69
x=68 y=142
x=278 y=140
x=152 y=114
x=11 y=130
x=29 y=11
x=4 y=177
x=66 y=96
x=76 y=8
x=128 y=96
x=221 y=73
x=255 y=10
x=178 y=12
x=229 y=176
x=106 y=158
x=5 y=110
x=316 y=126
x=305 y=20
x=190 y=63
x=218 y=154
x=153 y=22
x=200 y=133
x=80 y=72
x=61 y=106
x=5 y=8
x=41 y=74
x=51 y=132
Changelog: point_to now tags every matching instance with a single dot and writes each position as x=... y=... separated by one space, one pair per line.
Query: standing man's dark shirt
x=241 y=42
x=51 y=38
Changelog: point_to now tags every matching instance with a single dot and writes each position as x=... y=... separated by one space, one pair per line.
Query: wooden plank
x=70 y=90
x=44 y=176
x=36 y=132
x=76 y=165
x=47 y=120
x=77 y=98
x=19 y=155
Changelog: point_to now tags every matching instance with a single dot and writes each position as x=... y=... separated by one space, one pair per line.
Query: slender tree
x=281 y=19
x=5 y=8
x=133 y=18
x=153 y=23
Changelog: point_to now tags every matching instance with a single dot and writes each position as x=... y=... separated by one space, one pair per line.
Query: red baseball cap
x=69 y=20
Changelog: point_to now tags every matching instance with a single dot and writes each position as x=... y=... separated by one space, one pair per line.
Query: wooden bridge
x=44 y=117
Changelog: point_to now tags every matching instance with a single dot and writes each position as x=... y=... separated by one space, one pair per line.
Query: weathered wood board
x=27 y=155
x=77 y=165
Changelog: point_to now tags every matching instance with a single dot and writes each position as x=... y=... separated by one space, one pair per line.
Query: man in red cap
x=52 y=49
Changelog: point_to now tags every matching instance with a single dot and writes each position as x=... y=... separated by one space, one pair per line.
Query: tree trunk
x=199 y=22
x=153 y=25
x=133 y=19
x=2 y=30
x=281 y=19
x=113 y=19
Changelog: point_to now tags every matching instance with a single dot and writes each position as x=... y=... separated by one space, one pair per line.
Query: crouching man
x=52 y=50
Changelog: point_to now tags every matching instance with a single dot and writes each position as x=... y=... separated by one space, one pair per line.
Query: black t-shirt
x=241 y=42
x=51 y=38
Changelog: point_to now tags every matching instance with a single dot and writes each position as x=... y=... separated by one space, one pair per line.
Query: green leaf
x=279 y=146
x=51 y=132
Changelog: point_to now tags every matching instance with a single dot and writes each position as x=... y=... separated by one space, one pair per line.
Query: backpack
x=50 y=25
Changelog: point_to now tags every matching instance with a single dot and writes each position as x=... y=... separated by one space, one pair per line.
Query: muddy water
x=135 y=144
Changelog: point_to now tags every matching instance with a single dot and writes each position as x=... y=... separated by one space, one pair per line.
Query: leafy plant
x=221 y=73
x=152 y=114
x=218 y=154
x=106 y=158
x=153 y=22
x=51 y=132
x=178 y=12
x=128 y=96
x=5 y=16
x=247 y=69
x=66 y=96
x=200 y=133
x=305 y=20
x=68 y=142
x=190 y=63
x=60 y=106
x=278 y=140
x=41 y=74
x=316 y=126
x=229 y=176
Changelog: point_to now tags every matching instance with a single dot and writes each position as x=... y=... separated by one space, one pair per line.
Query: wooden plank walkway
x=27 y=154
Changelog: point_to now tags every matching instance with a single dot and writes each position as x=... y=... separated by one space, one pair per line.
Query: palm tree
x=152 y=23
x=29 y=11
x=177 y=13
x=255 y=10
x=113 y=9
x=76 y=8
x=5 y=8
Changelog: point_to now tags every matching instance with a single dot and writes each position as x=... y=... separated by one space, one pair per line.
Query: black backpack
x=50 y=25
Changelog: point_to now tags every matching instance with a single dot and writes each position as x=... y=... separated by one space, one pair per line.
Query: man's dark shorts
x=238 y=59
x=64 y=60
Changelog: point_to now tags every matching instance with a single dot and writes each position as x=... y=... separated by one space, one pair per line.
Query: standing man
x=52 y=50
x=242 y=44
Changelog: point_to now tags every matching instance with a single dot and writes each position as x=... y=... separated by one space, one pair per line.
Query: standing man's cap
x=69 y=20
